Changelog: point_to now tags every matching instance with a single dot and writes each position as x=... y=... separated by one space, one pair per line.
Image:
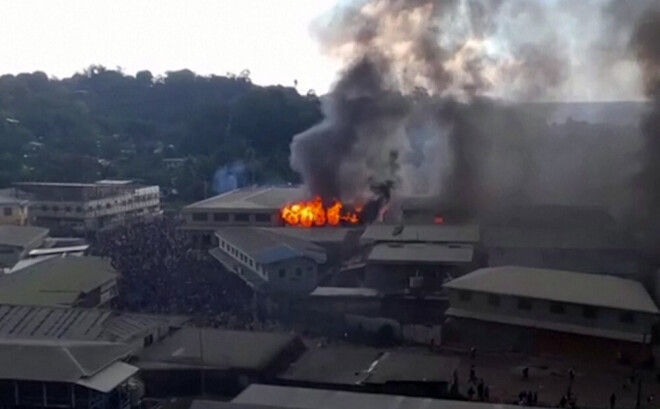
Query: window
x=7 y=211
x=44 y=208
x=464 y=295
x=242 y=217
x=524 y=304
x=108 y=205
x=56 y=208
x=251 y=263
x=79 y=209
x=590 y=312
x=627 y=317
x=557 y=308
x=67 y=209
x=493 y=300
x=148 y=340
x=200 y=217
x=282 y=273
x=298 y=272
x=220 y=217
x=262 y=218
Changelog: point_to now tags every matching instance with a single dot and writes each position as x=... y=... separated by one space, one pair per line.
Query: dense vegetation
x=105 y=124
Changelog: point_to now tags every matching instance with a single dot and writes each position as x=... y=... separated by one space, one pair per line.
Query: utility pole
x=202 y=375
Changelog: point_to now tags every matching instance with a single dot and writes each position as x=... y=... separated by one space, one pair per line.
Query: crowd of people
x=162 y=273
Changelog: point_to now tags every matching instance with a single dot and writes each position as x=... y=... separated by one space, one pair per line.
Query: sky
x=271 y=38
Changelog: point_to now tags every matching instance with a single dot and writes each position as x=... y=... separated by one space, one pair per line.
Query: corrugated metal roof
x=21 y=236
x=549 y=325
x=77 y=324
x=57 y=363
x=55 y=281
x=109 y=378
x=421 y=233
x=266 y=247
x=252 y=198
x=307 y=398
x=557 y=285
x=421 y=253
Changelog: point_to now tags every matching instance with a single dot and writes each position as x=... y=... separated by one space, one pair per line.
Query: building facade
x=14 y=211
x=268 y=262
x=83 y=207
x=542 y=311
x=255 y=207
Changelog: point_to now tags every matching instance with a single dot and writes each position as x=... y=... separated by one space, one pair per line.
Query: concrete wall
x=396 y=276
x=573 y=314
x=14 y=213
x=211 y=220
x=299 y=275
x=94 y=214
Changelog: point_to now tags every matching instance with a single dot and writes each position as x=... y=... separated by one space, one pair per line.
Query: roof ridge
x=74 y=360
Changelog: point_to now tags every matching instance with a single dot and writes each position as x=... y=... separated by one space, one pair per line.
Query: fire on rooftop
x=316 y=214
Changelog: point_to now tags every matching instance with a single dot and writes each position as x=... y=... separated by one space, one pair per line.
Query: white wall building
x=80 y=207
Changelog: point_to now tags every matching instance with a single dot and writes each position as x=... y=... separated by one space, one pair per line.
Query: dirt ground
x=549 y=378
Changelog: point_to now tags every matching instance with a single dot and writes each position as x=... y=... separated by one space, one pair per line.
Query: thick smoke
x=430 y=101
x=646 y=42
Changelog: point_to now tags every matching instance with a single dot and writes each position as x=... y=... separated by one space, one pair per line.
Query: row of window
x=557 y=308
x=237 y=217
x=79 y=209
x=298 y=272
x=239 y=255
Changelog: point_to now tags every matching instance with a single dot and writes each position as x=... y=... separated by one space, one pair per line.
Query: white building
x=268 y=262
x=13 y=211
x=80 y=207
x=550 y=312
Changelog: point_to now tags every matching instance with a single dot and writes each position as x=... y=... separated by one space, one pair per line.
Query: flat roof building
x=76 y=208
x=397 y=267
x=253 y=206
x=230 y=360
x=362 y=369
x=269 y=262
x=263 y=396
x=83 y=281
x=550 y=311
x=420 y=233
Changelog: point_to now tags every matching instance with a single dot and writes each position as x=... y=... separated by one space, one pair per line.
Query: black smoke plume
x=432 y=101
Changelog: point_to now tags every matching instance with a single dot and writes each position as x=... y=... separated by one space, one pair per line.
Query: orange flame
x=314 y=213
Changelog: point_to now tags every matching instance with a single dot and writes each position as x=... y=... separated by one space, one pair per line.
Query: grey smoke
x=428 y=80
x=646 y=43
